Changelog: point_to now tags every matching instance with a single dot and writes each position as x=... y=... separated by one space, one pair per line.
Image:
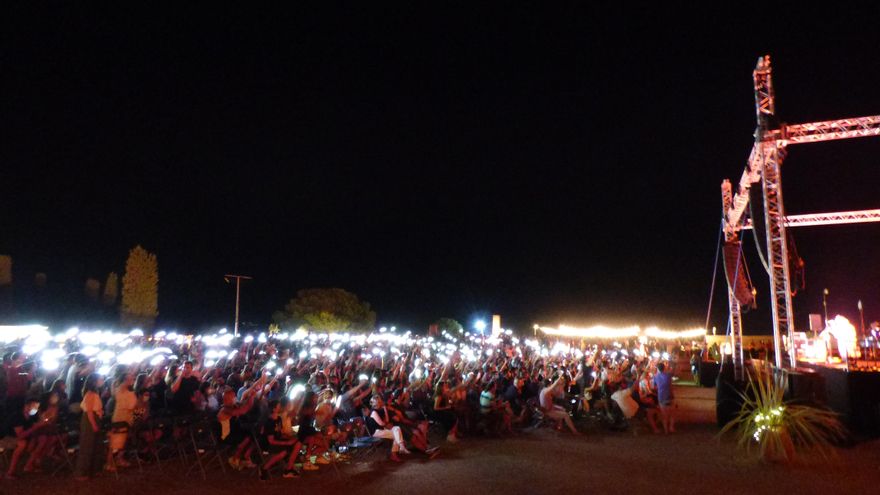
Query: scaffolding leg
x=780 y=281
x=736 y=334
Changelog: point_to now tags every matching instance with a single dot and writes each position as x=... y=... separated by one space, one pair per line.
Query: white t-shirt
x=92 y=402
x=126 y=400
x=546 y=397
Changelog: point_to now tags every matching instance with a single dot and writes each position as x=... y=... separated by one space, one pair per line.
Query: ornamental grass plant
x=778 y=429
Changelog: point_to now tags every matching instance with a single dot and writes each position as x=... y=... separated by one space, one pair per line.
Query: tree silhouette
x=327 y=310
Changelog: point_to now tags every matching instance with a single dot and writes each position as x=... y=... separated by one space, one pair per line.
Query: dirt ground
x=693 y=460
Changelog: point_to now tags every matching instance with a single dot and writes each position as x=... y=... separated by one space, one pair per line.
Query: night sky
x=551 y=166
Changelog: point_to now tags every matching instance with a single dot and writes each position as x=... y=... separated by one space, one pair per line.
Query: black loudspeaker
x=727 y=399
x=709 y=373
x=806 y=387
x=735 y=271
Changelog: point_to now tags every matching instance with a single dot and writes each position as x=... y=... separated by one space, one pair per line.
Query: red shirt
x=16 y=382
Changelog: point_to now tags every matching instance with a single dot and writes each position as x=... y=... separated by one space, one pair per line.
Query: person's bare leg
x=36 y=453
x=570 y=425
x=294 y=454
x=241 y=447
x=652 y=420
x=664 y=419
x=274 y=459
x=109 y=464
x=20 y=447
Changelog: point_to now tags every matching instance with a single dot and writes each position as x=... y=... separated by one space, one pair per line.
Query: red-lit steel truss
x=764 y=164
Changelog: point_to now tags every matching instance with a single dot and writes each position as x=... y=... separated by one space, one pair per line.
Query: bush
x=780 y=428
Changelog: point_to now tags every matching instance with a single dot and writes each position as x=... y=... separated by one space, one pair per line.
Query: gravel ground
x=542 y=461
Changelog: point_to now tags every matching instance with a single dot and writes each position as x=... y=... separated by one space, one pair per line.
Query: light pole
x=825 y=304
x=237 y=293
x=862 y=318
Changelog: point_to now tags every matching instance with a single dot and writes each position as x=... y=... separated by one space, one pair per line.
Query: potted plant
x=780 y=428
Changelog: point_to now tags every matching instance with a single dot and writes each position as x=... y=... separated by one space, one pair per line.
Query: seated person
x=308 y=433
x=232 y=432
x=493 y=410
x=148 y=433
x=514 y=402
x=274 y=440
x=412 y=421
x=443 y=411
x=551 y=410
x=24 y=427
x=647 y=399
x=350 y=400
x=379 y=424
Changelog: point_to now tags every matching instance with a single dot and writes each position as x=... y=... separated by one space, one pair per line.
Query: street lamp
x=480 y=325
x=237 y=292
x=862 y=318
x=825 y=304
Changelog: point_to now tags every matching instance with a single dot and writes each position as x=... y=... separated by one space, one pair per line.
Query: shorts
x=305 y=431
x=272 y=448
x=234 y=438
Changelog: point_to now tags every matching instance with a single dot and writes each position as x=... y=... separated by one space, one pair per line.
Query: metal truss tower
x=765 y=164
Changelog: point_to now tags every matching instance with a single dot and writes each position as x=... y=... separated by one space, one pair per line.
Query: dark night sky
x=553 y=165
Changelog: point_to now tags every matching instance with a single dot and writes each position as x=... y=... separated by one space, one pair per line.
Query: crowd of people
x=295 y=401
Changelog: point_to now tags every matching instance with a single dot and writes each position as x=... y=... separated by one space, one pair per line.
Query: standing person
x=76 y=377
x=90 y=427
x=123 y=418
x=183 y=390
x=663 y=387
x=17 y=383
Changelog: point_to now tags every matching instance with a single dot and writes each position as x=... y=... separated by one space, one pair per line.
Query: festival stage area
x=541 y=461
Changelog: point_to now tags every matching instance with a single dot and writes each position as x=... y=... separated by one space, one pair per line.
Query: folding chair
x=166 y=447
x=7 y=446
x=108 y=430
x=68 y=450
x=538 y=418
x=68 y=440
x=362 y=444
x=208 y=451
x=181 y=438
x=131 y=451
x=252 y=430
x=139 y=444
